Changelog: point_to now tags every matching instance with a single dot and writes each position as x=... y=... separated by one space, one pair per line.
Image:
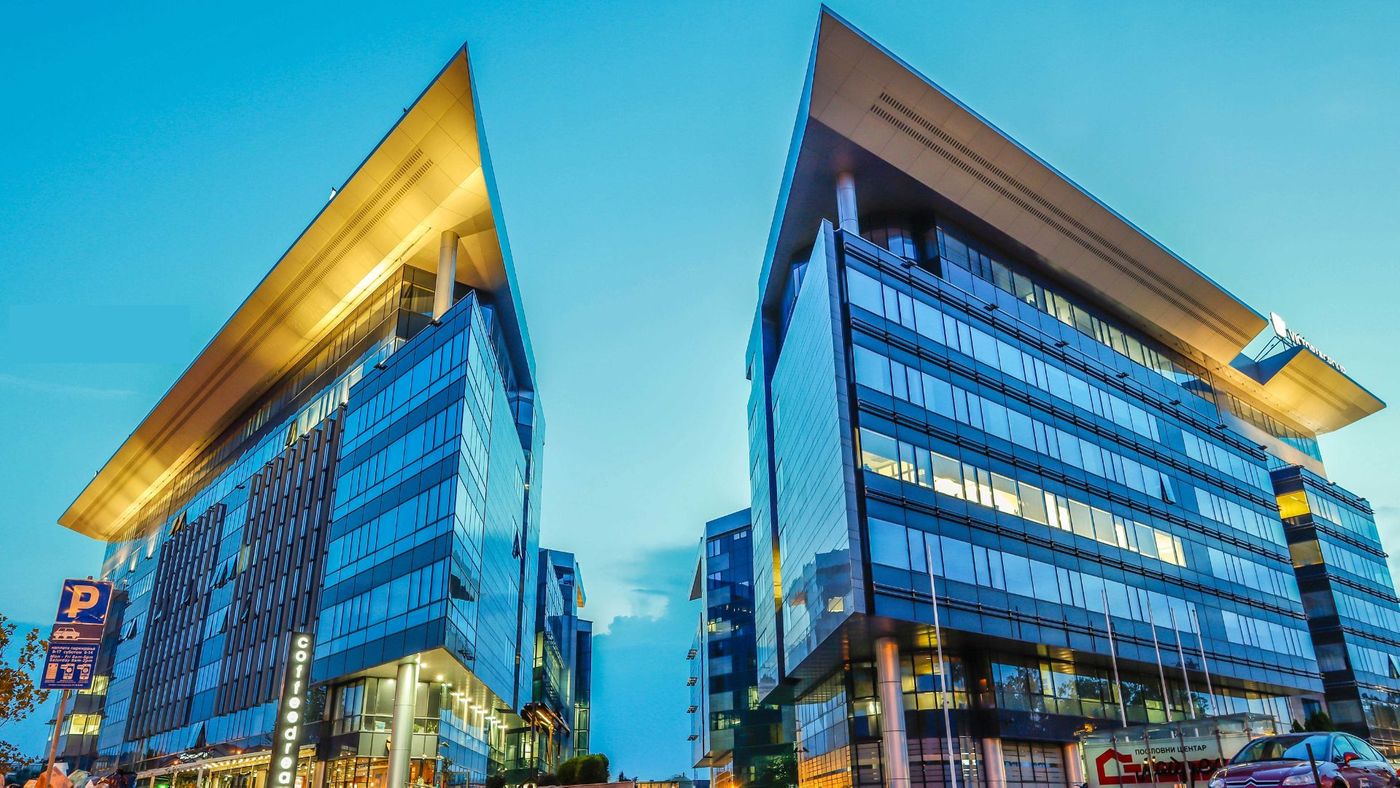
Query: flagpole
x=942 y=666
x=1205 y=666
x=1113 y=655
x=1181 y=655
x=1161 y=672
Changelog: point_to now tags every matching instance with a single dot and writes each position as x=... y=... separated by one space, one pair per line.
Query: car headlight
x=1302 y=778
x=1217 y=781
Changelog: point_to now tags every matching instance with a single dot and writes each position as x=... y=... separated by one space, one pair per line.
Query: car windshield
x=1284 y=748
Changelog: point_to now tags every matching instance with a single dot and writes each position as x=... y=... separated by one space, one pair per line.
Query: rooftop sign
x=1298 y=340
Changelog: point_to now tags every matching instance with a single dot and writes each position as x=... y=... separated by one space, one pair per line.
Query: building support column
x=993 y=763
x=846 y=216
x=1074 y=764
x=894 y=740
x=446 y=284
x=401 y=729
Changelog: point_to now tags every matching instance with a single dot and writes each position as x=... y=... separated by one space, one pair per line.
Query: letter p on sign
x=84 y=602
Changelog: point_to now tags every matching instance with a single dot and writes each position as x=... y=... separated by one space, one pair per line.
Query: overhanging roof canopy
x=431 y=173
x=865 y=111
x=880 y=107
x=1318 y=395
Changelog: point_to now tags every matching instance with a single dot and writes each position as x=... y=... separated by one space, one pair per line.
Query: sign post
x=71 y=660
x=291 y=711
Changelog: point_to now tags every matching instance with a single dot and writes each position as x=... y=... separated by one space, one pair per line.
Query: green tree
x=19 y=694
x=568 y=770
x=593 y=769
x=778 y=771
x=1318 y=721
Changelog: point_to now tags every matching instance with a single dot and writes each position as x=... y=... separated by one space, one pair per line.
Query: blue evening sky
x=156 y=160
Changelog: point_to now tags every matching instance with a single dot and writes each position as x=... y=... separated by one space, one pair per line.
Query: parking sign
x=77 y=630
x=69 y=666
x=84 y=602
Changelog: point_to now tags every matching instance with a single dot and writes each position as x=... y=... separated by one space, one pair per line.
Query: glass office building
x=1349 y=596
x=356 y=455
x=741 y=741
x=550 y=730
x=1011 y=462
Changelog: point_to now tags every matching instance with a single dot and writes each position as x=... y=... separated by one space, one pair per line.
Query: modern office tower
x=1349 y=596
x=743 y=742
x=583 y=687
x=355 y=455
x=966 y=368
x=548 y=733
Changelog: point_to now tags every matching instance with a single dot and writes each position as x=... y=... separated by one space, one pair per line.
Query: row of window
x=410 y=590
x=1042 y=685
x=914 y=464
x=959 y=335
x=1367 y=565
x=1305 y=502
x=377 y=412
x=986 y=415
x=1307 y=444
x=1386 y=617
x=984 y=267
x=1314 y=551
x=399 y=529
x=1252 y=575
x=1238 y=517
x=895 y=545
x=1381 y=663
x=867 y=293
x=82 y=724
x=401 y=459
x=1267 y=635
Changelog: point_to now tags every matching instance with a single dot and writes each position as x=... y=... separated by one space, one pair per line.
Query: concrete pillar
x=446 y=274
x=993 y=763
x=893 y=738
x=1074 y=764
x=401 y=728
x=846 y=217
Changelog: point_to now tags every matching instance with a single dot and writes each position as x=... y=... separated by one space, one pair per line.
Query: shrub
x=593 y=769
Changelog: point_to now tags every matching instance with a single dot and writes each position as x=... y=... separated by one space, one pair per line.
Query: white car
x=66 y=633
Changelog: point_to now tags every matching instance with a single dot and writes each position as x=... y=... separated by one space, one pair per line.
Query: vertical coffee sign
x=77 y=631
x=291 y=711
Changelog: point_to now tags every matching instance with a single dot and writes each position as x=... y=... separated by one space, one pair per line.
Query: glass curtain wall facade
x=583 y=687
x=742 y=741
x=356 y=455
x=992 y=489
x=430 y=543
x=1349 y=596
x=555 y=722
x=235 y=550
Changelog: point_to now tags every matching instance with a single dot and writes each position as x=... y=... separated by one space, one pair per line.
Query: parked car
x=1343 y=761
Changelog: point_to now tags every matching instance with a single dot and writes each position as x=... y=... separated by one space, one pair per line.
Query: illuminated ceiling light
x=438 y=678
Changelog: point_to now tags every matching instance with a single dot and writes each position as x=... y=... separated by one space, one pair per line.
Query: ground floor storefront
x=240 y=770
x=251 y=771
x=357 y=772
x=976 y=718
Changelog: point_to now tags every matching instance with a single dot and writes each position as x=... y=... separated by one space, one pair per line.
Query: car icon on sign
x=66 y=633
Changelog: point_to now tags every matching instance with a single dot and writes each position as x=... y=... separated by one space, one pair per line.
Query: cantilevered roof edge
x=165 y=440
x=828 y=12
